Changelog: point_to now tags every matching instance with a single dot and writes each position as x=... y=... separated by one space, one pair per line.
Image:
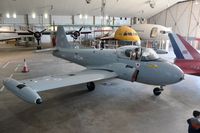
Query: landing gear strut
x=91 y=86
x=38 y=46
x=157 y=91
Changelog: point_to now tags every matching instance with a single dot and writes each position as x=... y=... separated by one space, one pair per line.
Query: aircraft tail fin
x=182 y=49
x=61 y=38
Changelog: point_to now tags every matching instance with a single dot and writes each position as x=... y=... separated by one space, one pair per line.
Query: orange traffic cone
x=25 y=68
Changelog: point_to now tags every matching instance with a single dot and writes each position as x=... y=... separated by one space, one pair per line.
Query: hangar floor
x=115 y=106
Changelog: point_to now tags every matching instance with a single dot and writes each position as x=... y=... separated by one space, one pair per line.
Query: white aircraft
x=152 y=31
x=146 y=67
x=149 y=34
x=155 y=35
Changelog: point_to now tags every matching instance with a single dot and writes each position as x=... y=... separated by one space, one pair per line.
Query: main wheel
x=91 y=86
x=157 y=91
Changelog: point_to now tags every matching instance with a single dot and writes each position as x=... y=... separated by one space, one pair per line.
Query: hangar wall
x=183 y=18
x=39 y=20
x=21 y=22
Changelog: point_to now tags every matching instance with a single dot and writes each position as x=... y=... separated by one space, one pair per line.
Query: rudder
x=182 y=49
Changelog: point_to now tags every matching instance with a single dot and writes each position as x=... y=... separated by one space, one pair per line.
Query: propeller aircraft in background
x=37 y=34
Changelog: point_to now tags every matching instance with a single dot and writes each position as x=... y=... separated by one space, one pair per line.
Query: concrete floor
x=115 y=106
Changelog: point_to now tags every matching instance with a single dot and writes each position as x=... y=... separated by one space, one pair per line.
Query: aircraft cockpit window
x=154 y=32
x=144 y=54
x=149 y=54
x=133 y=54
x=163 y=32
x=128 y=52
x=130 y=34
x=125 y=33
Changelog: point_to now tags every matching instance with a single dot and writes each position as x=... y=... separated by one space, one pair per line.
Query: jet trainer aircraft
x=147 y=68
x=187 y=58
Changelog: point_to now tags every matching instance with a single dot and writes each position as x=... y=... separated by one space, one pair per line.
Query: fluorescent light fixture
x=106 y=17
x=45 y=15
x=196 y=2
x=14 y=15
x=86 y=16
x=8 y=15
x=33 y=15
x=80 y=16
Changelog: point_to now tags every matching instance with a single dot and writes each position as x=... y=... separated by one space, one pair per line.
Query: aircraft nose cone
x=172 y=74
x=178 y=74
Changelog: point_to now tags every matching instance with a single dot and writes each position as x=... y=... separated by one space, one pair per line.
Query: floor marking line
x=4 y=66
x=2 y=88
x=11 y=76
x=16 y=67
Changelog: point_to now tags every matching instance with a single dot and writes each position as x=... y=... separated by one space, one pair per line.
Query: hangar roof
x=118 y=8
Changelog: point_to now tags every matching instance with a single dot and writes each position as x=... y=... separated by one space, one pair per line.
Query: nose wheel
x=157 y=91
x=91 y=86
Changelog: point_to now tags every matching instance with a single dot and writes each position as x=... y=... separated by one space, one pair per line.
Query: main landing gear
x=90 y=86
x=157 y=91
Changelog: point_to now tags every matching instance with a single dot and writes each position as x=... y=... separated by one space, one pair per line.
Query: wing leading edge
x=58 y=81
x=27 y=89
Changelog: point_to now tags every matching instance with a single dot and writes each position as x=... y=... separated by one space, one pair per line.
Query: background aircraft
x=152 y=32
x=9 y=35
x=151 y=35
x=100 y=64
x=187 y=57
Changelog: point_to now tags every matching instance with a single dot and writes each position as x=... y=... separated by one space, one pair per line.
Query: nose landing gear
x=157 y=91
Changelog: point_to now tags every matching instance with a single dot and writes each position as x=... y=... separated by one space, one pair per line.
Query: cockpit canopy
x=144 y=54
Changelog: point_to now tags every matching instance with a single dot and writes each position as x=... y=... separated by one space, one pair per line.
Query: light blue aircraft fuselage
x=131 y=63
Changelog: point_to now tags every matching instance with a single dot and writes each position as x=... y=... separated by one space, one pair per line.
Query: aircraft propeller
x=76 y=34
x=37 y=35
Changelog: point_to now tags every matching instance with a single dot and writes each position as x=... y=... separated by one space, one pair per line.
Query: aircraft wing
x=8 y=38
x=52 y=82
x=27 y=89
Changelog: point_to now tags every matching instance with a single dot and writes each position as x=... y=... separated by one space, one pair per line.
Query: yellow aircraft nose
x=125 y=33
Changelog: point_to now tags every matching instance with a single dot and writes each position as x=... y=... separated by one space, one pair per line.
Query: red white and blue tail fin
x=182 y=49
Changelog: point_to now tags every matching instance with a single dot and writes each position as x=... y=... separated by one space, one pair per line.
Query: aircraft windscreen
x=149 y=54
x=144 y=54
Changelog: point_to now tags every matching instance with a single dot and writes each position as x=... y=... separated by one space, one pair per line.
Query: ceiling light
x=80 y=16
x=14 y=15
x=33 y=15
x=86 y=16
x=196 y=2
x=45 y=15
x=106 y=17
x=8 y=15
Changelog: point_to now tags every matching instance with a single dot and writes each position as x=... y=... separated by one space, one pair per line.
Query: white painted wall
x=122 y=21
x=62 y=20
x=183 y=18
x=18 y=20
